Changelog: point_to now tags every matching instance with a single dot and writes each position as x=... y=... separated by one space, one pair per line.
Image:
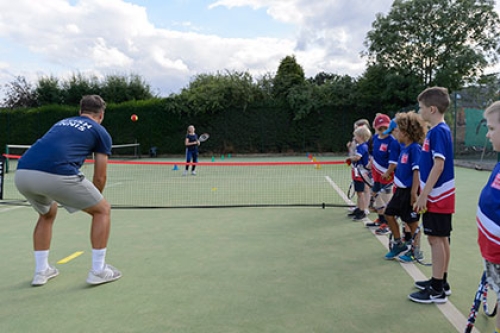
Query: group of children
x=419 y=162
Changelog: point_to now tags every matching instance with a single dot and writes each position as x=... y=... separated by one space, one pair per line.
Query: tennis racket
x=386 y=188
x=365 y=174
x=416 y=249
x=412 y=247
x=204 y=137
x=480 y=297
x=351 y=191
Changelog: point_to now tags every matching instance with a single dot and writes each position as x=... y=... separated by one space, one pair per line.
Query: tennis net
x=162 y=184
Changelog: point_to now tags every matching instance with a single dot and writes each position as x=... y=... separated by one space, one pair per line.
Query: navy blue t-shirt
x=192 y=138
x=64 y=148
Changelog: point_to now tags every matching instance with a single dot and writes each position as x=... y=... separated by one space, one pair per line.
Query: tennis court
x=262 y=269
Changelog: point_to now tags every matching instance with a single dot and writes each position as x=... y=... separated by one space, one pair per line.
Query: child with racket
x=351 y=147
x=359 y=163
x=437 y=193
x=488 y=210
x=384 y=160
x=409 y=129
x=191 y=142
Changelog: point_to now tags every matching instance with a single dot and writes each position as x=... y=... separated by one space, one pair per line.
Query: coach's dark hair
x=92 y=104
x=435 y=96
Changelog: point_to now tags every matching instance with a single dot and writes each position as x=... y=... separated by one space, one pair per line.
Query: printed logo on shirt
x=426 y=145
x=76 y=123
x=404 y=158
x=496 y=182
x=383 y=147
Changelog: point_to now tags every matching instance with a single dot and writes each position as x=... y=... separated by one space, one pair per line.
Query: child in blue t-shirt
x=410 y=131
x=437 y=194
x=360 y=163
x=488 y=211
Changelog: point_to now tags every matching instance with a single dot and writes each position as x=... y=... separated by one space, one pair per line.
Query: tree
x=383 y=90
x=49 y=91
x=120 y=89
x=289 y=74
x=209 y=93
x=79 y=85
x=19 y=93
x=443 y=42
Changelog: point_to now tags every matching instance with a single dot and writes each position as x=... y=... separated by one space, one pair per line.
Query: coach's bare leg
x=101 y=224
x=42 y=234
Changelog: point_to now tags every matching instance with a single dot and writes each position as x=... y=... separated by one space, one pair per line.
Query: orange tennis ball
x=134 y=117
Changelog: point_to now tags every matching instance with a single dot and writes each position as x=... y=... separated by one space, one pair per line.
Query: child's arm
x=354 y=158
x=436 y=171
x=415 y=185
x=390 y=171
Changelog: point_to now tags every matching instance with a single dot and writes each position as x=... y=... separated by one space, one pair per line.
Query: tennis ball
x=134 y=117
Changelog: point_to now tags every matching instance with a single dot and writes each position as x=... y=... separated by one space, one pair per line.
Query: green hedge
x=260 y=128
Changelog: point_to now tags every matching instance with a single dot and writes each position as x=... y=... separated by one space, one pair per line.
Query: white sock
x=41 y=260
x=98 y=259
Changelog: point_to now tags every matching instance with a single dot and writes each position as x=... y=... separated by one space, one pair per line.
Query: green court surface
x=234 y=270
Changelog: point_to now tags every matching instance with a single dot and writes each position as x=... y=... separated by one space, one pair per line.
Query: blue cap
x=392 y=126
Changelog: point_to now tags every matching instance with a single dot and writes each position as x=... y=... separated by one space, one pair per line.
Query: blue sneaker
x=396 y=250
x=407 y=257
x=411 y=256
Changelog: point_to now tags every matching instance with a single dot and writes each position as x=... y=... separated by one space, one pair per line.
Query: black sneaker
x=427 y=283
x=359 y=217
x=428 y=295
x=354 y=212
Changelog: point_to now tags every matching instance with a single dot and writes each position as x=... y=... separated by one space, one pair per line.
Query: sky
x=169 y=42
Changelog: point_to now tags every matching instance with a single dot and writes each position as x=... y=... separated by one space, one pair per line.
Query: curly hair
x=412 y=125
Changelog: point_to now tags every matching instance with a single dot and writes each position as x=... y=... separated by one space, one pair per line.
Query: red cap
x=381 y=120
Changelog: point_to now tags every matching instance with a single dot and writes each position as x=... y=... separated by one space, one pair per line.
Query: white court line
x=339 y=190
x=113 y=185
x=455 y=317
x=5 y=210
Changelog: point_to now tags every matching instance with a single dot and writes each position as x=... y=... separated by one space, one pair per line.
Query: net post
x=6 y=169
x=2 y=174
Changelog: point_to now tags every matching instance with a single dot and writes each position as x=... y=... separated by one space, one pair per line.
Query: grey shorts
x=493 y=276
x=41 y=189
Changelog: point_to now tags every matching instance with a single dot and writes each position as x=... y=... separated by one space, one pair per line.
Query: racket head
x=204 y=137
x=367 y=176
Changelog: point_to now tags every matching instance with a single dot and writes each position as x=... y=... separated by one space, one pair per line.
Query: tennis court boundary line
x=339 y=191
x=454 y=316
x=450 y=311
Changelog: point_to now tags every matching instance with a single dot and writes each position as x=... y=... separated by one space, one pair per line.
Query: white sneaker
x=193 y=173
x=108 y=274
x=185 y=173
x=41 y=278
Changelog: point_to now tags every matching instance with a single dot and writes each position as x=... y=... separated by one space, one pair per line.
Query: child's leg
x=188 y=159
x=361 y=199
x=195 y=160
x=394 y=226
x=366 y=199
x=440 y=251
x=412 y=227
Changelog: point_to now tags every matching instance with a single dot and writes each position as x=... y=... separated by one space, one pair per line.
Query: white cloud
x=114 y=36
